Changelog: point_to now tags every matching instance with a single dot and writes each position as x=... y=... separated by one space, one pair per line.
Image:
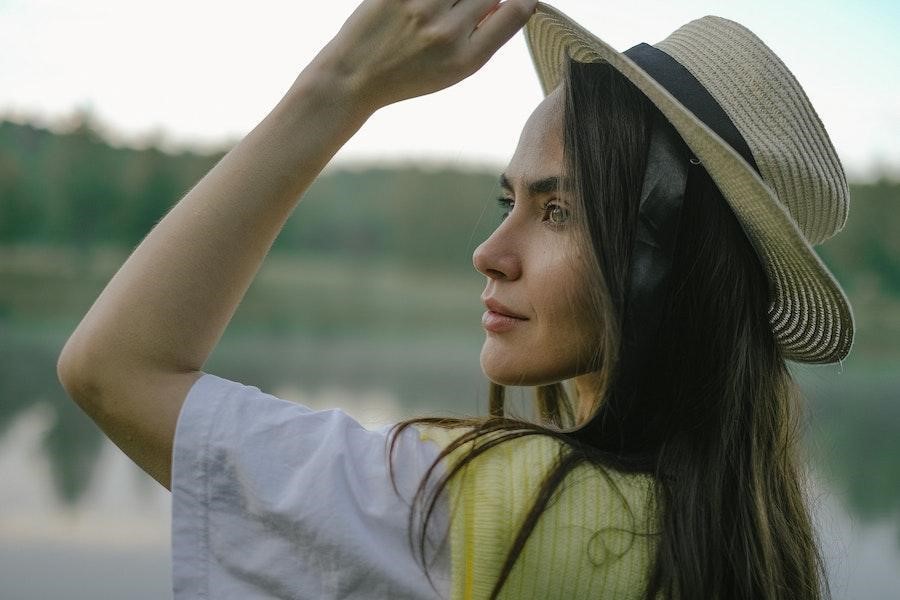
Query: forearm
x=168 y=305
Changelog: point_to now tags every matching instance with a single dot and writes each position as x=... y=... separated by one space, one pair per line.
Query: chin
x=517 y=376
x=503 y=375
x=504 y=367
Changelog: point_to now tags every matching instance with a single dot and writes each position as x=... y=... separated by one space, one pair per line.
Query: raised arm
x=132 y=359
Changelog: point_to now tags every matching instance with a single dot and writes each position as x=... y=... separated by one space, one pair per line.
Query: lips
x=498 y=323
x=500 y=308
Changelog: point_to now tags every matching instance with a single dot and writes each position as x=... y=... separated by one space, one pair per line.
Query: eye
x=558 y=214
x=505 y=204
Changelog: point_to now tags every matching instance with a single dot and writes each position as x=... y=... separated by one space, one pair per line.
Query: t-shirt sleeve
x=271 y=499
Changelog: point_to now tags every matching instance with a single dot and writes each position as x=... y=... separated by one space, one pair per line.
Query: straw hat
x=745 y=116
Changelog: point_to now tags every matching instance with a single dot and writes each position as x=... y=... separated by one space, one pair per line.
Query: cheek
x=571 y=319
x=564 y=291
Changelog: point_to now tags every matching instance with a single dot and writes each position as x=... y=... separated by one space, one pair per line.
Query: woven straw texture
x=801 y=197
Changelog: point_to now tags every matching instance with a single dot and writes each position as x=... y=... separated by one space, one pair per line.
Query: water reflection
x=855 y=423
x=28 y=377
x=113 y=543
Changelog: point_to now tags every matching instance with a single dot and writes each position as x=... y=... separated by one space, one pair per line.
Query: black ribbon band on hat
x=656 y=235
x=659 y=212
x=679 y=82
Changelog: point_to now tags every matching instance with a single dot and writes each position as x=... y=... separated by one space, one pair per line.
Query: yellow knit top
x=594 y=540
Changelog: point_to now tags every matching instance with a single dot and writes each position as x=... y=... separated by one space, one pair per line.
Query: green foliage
x=865 y=256
x=74 y=190
x=409 y=215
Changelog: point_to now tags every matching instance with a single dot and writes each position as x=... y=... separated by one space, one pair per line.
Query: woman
x=656 y=250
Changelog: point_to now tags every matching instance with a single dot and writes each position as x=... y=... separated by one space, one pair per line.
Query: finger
x=501 y=24
x=491 y=11
x=468 y=14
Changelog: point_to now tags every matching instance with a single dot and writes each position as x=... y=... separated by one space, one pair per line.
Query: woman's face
x=534 y=266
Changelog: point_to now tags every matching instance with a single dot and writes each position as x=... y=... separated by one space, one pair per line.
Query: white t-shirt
x=271 y=499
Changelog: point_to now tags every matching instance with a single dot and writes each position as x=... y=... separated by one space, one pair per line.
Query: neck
x=588 y=387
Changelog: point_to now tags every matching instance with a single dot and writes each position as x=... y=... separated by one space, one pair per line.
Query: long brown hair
x=718 y=423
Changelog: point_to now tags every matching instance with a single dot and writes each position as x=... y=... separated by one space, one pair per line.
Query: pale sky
x=198 y=73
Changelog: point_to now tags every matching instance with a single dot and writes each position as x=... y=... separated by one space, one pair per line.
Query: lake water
x=78 y=520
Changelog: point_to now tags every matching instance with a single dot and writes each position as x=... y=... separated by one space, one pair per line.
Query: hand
x=392 y=50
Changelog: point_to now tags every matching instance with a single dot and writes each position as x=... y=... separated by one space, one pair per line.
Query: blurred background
x=111 y=111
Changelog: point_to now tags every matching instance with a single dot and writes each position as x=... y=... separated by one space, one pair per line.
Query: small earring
x=695 y=161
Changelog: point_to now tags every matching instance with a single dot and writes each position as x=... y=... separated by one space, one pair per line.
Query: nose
x=497 y=258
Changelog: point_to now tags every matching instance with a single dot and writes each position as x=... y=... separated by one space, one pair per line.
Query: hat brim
x=810 y=315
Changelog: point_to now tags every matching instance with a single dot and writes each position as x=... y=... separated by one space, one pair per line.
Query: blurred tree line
x=75 y=190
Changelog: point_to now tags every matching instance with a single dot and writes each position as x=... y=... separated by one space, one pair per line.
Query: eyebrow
x=547 y=185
